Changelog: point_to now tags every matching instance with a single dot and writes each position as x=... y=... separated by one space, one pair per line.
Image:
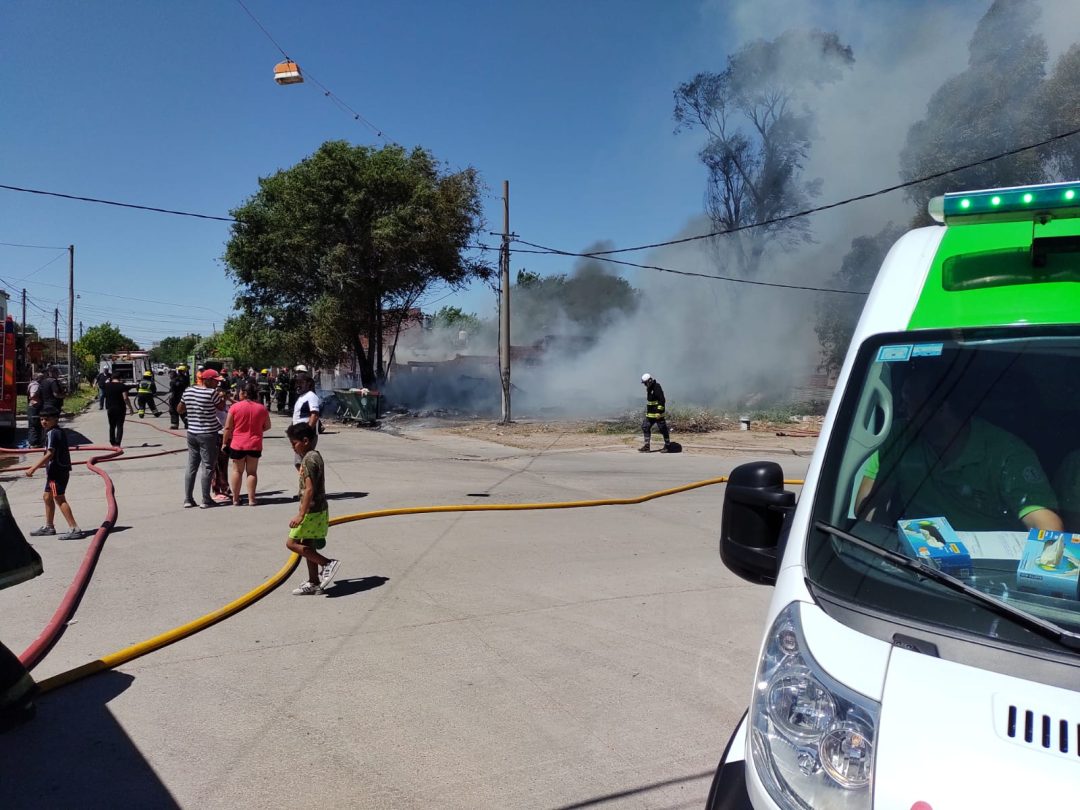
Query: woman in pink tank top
x=245 y=425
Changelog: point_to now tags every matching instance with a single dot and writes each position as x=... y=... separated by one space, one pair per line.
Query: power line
x=690 y=273
x=840 y=203
x=327 y=92
x=39 y=247
x=129 y=298
x=118 y=204
x=55 y=258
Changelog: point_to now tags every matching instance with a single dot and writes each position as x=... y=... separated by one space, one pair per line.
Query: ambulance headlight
x=811 y=738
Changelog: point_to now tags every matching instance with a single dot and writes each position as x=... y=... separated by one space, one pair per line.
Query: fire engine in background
x=8 y=364
x=127 y=366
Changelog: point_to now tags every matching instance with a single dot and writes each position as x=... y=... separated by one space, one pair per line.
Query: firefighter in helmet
x=178 y=381
x=282 y=386
x=146 y=394
x=263 y=381
x=654 y=413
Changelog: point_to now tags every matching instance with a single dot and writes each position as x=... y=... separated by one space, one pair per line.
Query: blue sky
x=173 y=105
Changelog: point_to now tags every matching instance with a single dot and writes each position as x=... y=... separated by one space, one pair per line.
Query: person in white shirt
x=306 y=410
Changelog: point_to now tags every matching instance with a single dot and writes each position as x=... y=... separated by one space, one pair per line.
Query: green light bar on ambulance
x=1034 y=203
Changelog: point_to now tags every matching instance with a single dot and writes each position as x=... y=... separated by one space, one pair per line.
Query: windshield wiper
x=1066 y=638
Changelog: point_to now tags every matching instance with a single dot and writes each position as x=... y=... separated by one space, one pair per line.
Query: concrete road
x=581 y=658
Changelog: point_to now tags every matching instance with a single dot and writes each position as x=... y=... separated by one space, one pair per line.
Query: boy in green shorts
x=308 y=529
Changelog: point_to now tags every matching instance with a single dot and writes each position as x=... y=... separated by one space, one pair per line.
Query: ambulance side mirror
x=755 y=506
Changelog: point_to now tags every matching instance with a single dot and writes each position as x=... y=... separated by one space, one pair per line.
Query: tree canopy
x=759 y=134
x=586 y=301
x=988 y=108
x=174 y=350
x=455 y=318
x=838 y=314
x=340 y=246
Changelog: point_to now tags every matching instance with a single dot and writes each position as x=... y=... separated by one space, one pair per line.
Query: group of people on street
x=222 y=433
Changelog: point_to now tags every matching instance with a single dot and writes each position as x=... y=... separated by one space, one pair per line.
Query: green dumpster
x=369 y=402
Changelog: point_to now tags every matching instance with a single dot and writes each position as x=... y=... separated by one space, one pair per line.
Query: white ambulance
x=922 y=648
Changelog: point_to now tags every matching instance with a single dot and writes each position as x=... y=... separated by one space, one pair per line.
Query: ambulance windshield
x=960 y=449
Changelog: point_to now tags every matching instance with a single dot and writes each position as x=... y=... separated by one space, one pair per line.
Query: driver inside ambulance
x=941 y=462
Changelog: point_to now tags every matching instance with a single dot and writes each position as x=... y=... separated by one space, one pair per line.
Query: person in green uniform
x=978 y=476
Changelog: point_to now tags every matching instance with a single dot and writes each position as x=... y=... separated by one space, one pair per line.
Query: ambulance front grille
x=1043 y=731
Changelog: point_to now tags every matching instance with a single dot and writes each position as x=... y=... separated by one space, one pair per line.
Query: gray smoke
x=719 y=344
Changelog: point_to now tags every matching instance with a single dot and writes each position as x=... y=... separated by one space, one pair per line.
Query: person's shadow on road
x=75 y=754
x=347 y=587
x=330 y=496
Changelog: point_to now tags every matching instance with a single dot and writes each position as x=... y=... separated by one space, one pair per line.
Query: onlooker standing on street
x=219 y=483
x=117 y=407
x=312 y=522
x=52 y=391
x=306 y=410
x=34 y=436
x=245 y=425
x=100 y=381
x=199 y=406
x=57 y=462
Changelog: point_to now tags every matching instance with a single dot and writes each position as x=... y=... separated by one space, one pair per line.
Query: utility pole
x=56 y=333
x=24 y=320
x=80 y=330
x=504 y=307
x=73 y=380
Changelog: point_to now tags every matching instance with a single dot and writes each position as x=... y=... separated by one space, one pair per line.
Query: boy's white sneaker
x=307 y=589
x=327 y=572
x=74 y=534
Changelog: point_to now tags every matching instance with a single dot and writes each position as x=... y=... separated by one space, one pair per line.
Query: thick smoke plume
x=721 y=344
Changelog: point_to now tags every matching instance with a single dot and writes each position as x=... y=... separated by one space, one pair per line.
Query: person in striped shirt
x=199 y=406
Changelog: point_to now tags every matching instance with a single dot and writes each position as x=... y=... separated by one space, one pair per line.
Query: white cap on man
x=646 y=377
x=301 y=368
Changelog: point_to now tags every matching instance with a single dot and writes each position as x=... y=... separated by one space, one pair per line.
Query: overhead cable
x=690 y=273
x=39 y=247
x=847 y=201
x=118 y=204
x=327 y=92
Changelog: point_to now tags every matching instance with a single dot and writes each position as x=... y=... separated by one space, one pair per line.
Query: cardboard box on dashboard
x=933 y=541
x=1050 y=564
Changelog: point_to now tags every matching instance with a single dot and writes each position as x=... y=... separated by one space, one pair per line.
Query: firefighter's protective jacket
x=654 y=400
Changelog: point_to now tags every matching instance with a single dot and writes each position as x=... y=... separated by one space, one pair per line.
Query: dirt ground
x=582 y=435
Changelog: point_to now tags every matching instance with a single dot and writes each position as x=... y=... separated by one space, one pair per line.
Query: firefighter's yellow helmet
x=148 y=374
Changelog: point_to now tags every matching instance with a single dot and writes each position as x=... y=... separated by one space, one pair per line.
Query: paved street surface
x=575 y=658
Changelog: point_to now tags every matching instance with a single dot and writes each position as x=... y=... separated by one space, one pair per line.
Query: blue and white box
x=1050 y=564
x=933 y=541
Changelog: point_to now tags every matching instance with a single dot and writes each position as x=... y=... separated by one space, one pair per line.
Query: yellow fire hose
x=176 y=634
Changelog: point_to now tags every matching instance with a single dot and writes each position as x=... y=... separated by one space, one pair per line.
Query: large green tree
x=987 y=109
x=334 y=251
x=174 y=350
x=585 y=302
x=759 y=131
x=249 y=343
